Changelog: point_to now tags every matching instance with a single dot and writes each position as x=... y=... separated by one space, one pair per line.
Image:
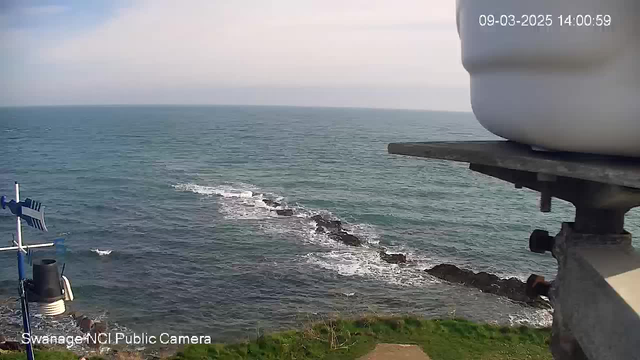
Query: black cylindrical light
x=46 y=289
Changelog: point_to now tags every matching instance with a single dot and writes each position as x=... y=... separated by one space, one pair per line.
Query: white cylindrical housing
x=556 y=86
x=52 y=309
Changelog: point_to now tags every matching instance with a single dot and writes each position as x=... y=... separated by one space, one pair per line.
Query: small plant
x=452 y=312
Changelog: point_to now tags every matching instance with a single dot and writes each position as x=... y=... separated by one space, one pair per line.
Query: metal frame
x=22 y=251
x=596 y=293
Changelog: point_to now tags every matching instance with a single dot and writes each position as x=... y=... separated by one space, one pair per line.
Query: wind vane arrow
x=31 y=211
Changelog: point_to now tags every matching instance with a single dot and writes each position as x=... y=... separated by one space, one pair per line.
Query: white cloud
x=252 y=43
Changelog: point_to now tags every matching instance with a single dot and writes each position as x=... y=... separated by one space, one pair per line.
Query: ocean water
x=166 y=230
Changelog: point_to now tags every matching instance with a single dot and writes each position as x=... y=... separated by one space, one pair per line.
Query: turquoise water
x=175 y=193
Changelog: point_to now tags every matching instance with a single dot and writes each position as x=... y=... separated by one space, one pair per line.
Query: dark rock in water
x=2 y=339
x=11 y=346
x=334 y=228
x=84 y=323
x=285 y=212
x=512 y=288
x=345 y=238
x=326 y=225
x=97 y=329
x=393 y=258
x=271 y=203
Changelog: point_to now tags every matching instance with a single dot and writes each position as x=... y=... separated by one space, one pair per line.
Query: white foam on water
x=532 y=317
x=246 y=202
x=365 y=231
x=243 y=211
x=366 y=262
x=369 y=237
x=102 y=252
x=259 y=203
x=302 y=229
x=226 y=191
x=238 y=201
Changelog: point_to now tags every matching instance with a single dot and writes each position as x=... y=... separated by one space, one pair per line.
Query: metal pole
x=23 y=296
x=28 y=247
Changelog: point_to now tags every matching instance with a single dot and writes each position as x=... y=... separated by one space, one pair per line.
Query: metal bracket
x=596 y=294
x=594 y=290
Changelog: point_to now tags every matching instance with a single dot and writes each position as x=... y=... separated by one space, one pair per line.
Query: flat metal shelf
x=506 y=154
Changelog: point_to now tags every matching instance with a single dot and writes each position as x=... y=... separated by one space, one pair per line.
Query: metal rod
x=19 y=248
x=27 y=247
x=21 y=290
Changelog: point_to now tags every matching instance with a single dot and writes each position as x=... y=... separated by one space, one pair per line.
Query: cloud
x=260 y=44
x=278 y=43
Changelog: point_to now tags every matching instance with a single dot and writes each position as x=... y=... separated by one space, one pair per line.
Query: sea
x=165 y=226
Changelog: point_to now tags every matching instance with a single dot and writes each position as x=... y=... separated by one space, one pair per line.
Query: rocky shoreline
x=511 y=288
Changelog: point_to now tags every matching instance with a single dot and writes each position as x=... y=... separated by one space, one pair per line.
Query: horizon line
x=230 y=105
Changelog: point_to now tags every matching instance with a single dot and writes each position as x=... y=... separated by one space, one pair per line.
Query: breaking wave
x=102 y=252
x=247 y=202
x=224 y=190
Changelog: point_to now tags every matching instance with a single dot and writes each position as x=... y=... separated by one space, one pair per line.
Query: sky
x=354 y=53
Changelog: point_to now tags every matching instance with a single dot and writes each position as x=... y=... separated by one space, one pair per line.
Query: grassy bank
x=350 y=339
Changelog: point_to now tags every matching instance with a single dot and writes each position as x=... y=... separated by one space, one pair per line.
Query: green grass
x=350 y=339
x=44 y=355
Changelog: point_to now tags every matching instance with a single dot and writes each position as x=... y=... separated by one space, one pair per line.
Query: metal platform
x=596 y=293
x=514 y=156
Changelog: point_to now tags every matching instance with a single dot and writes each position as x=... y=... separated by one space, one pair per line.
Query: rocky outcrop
x=271 y=203
x=325 y=225
x=393 y=258
x=512 y=288
x=335 y=231
x=7 y=345
x=11 y=346
x=345 y=238
x=97 y=329
x=84 y=324
x=285 y=212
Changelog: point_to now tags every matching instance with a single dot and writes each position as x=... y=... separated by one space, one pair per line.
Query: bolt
x=545 y=181
x=545 y=201
x=540 y=241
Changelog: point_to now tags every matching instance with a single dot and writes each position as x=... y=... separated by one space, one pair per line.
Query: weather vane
x=49 y=289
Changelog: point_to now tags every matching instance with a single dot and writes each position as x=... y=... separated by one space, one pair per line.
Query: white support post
x=18 y=224
x=27 y=247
